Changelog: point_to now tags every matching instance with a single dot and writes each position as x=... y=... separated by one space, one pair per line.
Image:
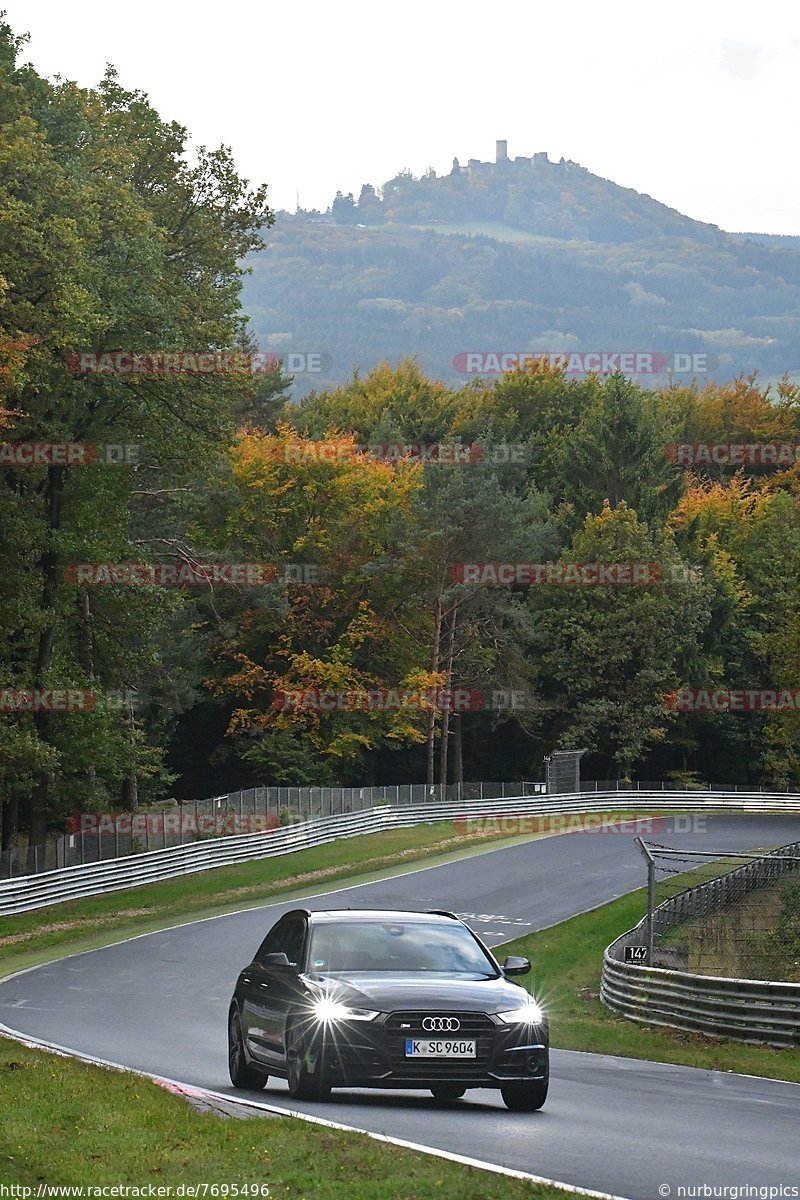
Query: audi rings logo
x=440 y=1024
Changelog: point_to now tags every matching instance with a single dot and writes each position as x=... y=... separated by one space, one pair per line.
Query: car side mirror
x=515 y=965
x=278 y=959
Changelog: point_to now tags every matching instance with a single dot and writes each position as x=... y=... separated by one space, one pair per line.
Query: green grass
x=492 y=229
x=70 y=1123
x=567 y=962
x=754 y=937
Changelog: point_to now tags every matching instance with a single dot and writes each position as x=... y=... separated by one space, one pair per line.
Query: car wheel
x=447 y=1091
x=524 y=1095
x=303 y=1085
x=241 y=1073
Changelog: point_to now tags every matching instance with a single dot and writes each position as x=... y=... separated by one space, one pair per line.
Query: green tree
x=608 y=656
x=616 y=452
x=109 y=242
x=472 y=515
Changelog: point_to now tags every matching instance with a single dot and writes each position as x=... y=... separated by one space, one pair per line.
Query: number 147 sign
x=636 y=954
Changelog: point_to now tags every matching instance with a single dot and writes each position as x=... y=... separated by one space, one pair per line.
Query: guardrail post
x=651 y=898
x=651 y=904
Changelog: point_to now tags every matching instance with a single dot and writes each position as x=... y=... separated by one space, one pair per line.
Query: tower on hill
x=475 y=167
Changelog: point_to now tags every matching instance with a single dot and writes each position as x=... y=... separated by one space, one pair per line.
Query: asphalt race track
x=159 y=1003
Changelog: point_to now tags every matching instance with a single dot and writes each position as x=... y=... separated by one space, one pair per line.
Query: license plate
x=440 y=1048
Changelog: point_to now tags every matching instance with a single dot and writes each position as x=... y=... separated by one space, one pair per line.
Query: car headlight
x=327 y=1010
x=527 y=1014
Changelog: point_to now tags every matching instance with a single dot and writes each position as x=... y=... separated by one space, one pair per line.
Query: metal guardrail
x=747 y=1010
x=32 y=892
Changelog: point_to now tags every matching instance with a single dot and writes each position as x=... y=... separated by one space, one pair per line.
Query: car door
x=254 y=983
x=280 y=988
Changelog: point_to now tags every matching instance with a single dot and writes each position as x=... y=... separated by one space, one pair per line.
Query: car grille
x=470 y=1024
x=401 y=1025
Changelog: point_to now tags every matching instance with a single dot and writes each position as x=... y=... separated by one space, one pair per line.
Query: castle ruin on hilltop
x=501 y=163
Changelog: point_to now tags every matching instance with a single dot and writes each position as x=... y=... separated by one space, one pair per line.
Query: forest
x=547 y=258
x=192 y=559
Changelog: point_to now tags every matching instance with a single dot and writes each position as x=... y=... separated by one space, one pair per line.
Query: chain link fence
x=739 y=918
x=96 y=837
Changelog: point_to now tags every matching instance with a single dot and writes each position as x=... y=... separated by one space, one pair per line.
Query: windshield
x=432 y=947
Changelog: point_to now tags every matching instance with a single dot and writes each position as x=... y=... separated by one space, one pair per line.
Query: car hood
x=388 y=993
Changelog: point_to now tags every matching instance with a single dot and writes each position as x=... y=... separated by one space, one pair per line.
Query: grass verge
x=69 y=1123
x=567 y=962
x=754 y=937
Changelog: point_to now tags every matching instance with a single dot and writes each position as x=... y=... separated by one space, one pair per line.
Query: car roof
x=378 y=914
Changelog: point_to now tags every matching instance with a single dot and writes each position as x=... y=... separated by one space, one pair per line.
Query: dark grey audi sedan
x=356 y=998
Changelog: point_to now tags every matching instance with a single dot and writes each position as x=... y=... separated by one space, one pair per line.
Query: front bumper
x=372 y=1054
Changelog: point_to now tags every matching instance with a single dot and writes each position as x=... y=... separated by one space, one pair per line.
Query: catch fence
x=720 y=957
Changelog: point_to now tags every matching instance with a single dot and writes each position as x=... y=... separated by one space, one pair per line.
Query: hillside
x=532 y=257
x=561 y=200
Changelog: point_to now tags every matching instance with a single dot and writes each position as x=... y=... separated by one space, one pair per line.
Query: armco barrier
x=53 y=887
x=747 y=1010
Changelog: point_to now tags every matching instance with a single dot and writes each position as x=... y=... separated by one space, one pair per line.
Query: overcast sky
x=691 y=101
